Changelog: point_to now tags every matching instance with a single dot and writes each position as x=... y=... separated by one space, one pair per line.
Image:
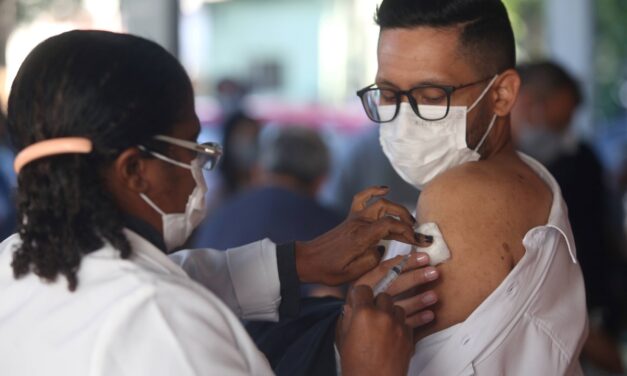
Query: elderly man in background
x=292 y=163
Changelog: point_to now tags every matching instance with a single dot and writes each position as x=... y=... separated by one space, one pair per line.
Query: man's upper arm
x=482 y=233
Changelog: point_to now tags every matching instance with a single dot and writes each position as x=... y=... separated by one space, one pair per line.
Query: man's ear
x=505 y=92
x=129 y=169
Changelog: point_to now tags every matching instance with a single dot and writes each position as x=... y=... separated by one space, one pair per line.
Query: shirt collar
x=145 y=230
x=558 y=217
x=149 y=256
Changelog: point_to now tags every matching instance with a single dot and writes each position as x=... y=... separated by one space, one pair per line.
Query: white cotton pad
x=438 y=250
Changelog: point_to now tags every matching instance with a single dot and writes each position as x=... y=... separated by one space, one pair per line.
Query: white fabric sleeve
x=245 y=278
x=174 y=330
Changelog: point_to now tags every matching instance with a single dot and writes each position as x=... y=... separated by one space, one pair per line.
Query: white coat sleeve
x=246 y=278
x=175 y=329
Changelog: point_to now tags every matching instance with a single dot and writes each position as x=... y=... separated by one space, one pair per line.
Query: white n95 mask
x=177 y=227
x=419 y=149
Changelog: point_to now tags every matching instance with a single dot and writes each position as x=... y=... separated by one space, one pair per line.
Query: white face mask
x=177 y=227
x=419 y=149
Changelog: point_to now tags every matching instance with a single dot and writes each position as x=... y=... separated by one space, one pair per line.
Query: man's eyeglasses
x=429 y=102
x=208 y=153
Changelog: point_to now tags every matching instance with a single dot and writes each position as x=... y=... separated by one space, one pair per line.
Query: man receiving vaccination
x=511 y=296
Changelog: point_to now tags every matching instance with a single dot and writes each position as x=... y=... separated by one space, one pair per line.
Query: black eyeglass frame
x=448 y=89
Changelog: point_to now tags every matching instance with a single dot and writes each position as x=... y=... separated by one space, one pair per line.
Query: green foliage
x=611 y=56
x=28 y=10
x=527 y=19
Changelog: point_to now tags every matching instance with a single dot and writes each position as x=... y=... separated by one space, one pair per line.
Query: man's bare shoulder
x=483 y=209
x=486 y=189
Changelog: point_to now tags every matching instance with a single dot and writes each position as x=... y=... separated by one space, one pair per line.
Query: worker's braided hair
x=116 y=90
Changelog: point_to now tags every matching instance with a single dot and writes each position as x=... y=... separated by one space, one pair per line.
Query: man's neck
x=500 y=144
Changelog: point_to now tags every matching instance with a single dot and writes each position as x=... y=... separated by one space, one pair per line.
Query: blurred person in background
x=543 y=114
x=7 y=183
x=281 y=205
x=541 y=127
x=239 y=137
x=292 y=164
x=365 y=165
x=230 y=94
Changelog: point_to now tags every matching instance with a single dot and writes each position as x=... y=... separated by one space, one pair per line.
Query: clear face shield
x=207 y=154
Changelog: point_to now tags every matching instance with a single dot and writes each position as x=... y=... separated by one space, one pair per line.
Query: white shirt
x=534 y=323
x=142 y=316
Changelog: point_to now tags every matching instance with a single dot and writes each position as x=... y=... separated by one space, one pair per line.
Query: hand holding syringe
x=434 y=246
x=390 y=277
x=413 y=270
x=397 y=269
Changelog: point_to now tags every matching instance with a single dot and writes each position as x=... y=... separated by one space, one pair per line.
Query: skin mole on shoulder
x=506 y=247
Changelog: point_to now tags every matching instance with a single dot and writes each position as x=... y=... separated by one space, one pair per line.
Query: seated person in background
x=511 y=298
x=291 y=166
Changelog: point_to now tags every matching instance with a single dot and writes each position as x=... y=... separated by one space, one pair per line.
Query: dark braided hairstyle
x=116 y=90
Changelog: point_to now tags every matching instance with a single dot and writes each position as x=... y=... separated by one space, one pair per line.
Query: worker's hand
x=372 y=337
x=416 y=273
x=349 y=250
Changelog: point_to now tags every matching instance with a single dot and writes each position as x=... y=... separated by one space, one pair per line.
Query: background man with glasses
x=511 y=298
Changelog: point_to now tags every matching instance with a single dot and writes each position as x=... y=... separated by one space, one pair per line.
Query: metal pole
x=570 y=37
x=157 y=20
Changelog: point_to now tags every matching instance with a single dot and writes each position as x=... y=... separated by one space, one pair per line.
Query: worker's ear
x=505 y=92
x=130 y=170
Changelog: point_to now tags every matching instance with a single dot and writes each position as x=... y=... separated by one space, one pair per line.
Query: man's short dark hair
x=486 y=36
x=546 y=77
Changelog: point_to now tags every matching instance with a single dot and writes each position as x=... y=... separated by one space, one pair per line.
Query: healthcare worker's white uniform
x=142 y=316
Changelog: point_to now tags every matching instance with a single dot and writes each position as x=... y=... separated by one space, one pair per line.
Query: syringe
x=390 y=277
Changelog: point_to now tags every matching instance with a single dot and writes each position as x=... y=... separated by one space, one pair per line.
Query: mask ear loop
x=152 y=204
x=483 y=93
x=196 y=173
x=486 y=134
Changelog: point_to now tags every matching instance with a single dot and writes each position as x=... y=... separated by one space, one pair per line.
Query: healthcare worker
x=109 y=181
